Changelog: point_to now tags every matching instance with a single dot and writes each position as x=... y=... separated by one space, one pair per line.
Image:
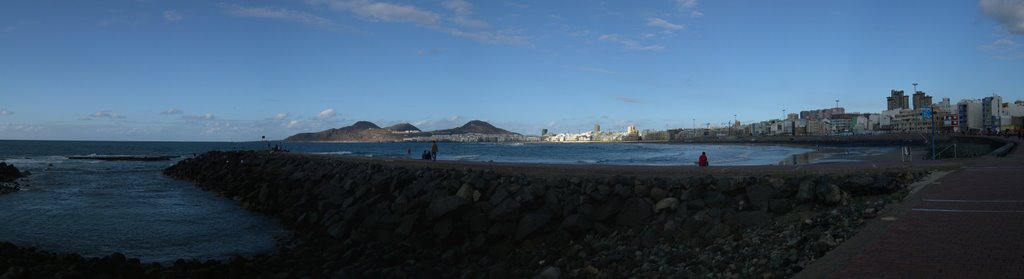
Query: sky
x=238 y=70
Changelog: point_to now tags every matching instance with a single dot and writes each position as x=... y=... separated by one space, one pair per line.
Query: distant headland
x=365 y=131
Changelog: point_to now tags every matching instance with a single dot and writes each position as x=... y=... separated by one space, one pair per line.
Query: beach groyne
x=371 y=218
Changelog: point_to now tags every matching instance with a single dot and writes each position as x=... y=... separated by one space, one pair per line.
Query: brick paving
x=970 y=224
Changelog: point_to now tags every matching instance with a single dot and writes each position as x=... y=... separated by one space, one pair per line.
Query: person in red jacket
x=703 y=161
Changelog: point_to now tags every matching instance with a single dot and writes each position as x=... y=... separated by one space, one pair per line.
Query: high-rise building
x=991 y=111
x=820 y=114
x=597 y=128
x=922 y=100
x=897 y=100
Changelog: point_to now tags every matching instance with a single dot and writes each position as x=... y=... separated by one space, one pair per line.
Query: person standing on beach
x=703 y=160
x=433 y=151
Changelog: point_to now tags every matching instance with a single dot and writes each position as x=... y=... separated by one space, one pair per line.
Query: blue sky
x=233 y=71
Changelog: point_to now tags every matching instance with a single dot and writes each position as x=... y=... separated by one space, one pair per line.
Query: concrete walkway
x=967 y=224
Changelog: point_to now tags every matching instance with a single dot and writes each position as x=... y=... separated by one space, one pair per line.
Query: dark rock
x=806 y=191
x=507 y=210
x=607 y=210
x=623 y=191
x=750 y=219
x=577 y=224
x=760 y=196
x=530 y=223
x=444 y=205
x=666 y=204
x=657 y=194
x=828 y=194
x=634 y=212
x=550 y=273
x=781 y=205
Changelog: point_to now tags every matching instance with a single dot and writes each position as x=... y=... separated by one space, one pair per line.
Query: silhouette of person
x=703 y=160
x=433 y=151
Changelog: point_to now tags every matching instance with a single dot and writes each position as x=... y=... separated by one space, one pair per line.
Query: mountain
x=402 y=127
x=476 y=127
x=364 y=131
x=360 y=131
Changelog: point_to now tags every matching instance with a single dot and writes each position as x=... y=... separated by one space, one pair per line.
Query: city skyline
x=235 y=71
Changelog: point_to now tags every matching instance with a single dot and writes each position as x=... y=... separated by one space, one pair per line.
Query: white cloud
x=1008 y=13
x=440 y=124
x=107 y=114
x=172 y=15
x=281 y=14
x=689 y=7
x=206 y=117
x=291 y=124
x=609 y=37
x=1003 y=49
x=326 y=114
x=628 y=99
x=384 y=12
x=460 y=7
x=280 y=116
x=471 y=23
x=489 y=37
x=172 y=111
x=463 y=10
x=628 y=44
x=657 y=22
x=5 y=112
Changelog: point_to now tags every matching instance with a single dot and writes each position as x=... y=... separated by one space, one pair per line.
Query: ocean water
x=94 y=207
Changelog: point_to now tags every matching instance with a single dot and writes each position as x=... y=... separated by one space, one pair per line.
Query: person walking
x=703 y=160
x=433 y=151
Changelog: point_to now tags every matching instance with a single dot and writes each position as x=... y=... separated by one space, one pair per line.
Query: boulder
x=634 y=212
x=550 y=273
x=806 y=191
x=507 y=210
x=760 y=196
x=577 y=224
x=532 y=222
x=829 y=194
x=657 y=193
x=465 y=192
x=444 y=205
x=666 y=203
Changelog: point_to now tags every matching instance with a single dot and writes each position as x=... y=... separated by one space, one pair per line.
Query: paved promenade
x=967 y=224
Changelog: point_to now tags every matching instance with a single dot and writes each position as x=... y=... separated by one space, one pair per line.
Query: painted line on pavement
x=968 y=211
x=981 y=201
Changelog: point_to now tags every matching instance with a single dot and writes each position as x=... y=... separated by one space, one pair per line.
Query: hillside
x=364 y=131
x=402 y=127
x=476 y=127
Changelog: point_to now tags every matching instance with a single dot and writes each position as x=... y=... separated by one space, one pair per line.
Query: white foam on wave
x=334 y=153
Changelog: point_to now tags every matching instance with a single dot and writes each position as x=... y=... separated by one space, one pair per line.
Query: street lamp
x=837 y=103
x=783 y=114
x=915 y=87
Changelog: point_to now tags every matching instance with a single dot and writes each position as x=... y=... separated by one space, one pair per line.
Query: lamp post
x=915 y=87
x=837 y=103
x=783 y=114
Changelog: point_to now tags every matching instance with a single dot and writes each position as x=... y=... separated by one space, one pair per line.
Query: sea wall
x=371 y=218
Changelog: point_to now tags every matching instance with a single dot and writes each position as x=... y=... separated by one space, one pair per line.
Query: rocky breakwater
x=9 y=176
x=371 y=219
